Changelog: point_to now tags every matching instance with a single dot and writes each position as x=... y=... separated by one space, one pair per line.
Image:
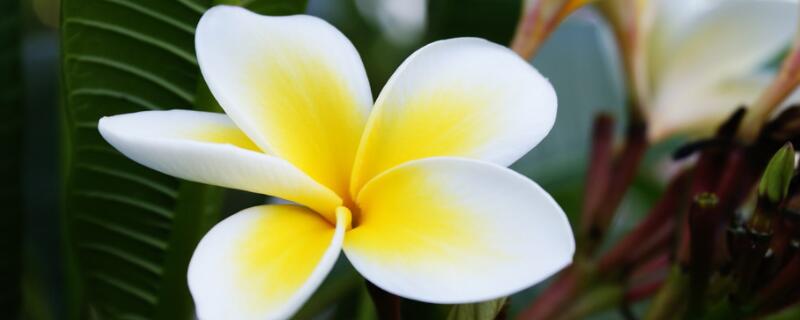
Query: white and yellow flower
x=414 y=189
x=702 y=59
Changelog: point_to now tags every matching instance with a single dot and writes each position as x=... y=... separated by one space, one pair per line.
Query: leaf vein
x=125 y=256
x=144 y=38
x=153 y=14
x=126 y=287
x=116 y=94
x=163 y=189
x=124 y=199
x=121 y=230
x=136 y=71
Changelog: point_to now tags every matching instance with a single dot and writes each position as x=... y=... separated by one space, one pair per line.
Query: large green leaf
x=129 y=231
x=10 y=162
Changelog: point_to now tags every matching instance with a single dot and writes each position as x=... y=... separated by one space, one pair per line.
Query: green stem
x=570 y=282
x=669 y=302
x=598 y=299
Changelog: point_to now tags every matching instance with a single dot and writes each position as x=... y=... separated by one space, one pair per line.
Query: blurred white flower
x=403 y=22
x=702 y=59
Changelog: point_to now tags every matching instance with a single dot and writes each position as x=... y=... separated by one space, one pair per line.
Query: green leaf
x=494 y=20
x=779 y=172
x=128 y=231
x=477 y=311
x=10 y=162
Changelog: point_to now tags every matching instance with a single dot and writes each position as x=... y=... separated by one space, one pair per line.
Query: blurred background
x=579 y=59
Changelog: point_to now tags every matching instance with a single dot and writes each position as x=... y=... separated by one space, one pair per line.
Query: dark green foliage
x=494 y=20
x=10 y=161
x=129 y=231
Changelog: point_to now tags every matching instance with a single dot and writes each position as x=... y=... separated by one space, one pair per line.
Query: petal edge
x=452 y=230
x=208 y=148
x=263 y=263
x=462 y=97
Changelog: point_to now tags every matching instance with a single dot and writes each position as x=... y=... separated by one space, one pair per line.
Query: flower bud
x=774 y=184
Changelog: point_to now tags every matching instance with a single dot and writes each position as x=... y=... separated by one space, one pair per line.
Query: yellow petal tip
x=344 y=216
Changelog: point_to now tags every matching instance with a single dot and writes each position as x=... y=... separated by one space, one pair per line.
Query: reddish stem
x=702 y=233
x=786 y=280
x=549 y=302
x=647 y=268
x=626 y=167
x=644 y=281
x=605 y=194
x=644 y=291
x=599 y=174
x=641 y=239
x=786 y=228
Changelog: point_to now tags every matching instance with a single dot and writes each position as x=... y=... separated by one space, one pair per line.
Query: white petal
x=263 y=262
x=670 y=21
x=208 y=148
x=294 y=84
x=462 y=97
x=700 y=110
x=726 y=40
x=451 y=230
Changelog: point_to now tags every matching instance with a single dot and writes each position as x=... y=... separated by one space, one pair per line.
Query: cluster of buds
x=735 y=243
x=723 y=240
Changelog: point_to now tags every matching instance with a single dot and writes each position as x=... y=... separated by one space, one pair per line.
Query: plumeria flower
x=705 y=58
x=414 y=189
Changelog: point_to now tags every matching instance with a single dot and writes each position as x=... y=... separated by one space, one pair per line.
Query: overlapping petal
x=707 y=56
x=715 y=104
x=666 y=22
x=459 y=97
x=263 y=262
x=208 y=148
x=452 y=230
x=294 y=84
x=731 y=38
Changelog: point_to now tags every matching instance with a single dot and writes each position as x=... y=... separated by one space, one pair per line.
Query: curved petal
x=728 y=39
x=208 y=148
x=666 y=22
x=462 y=97
x=700 y=110
x=294 y=84
x=263 y=262
x=450 y=230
